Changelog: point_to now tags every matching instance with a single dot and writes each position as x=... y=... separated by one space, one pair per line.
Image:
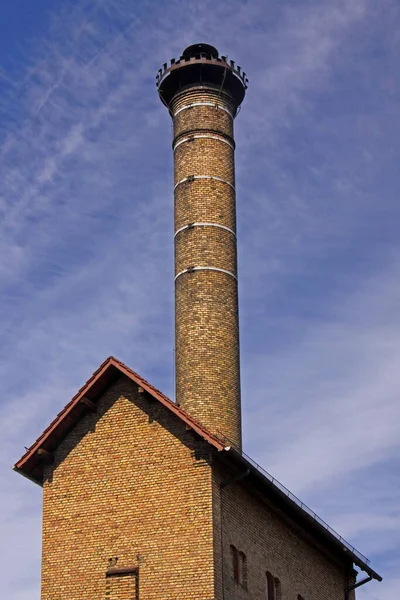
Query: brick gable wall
x=131 y=487
x=125 y=483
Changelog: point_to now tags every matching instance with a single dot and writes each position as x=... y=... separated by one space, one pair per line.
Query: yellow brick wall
x=121 y=587
x=208 y=199
x=270 y=544
x=200 y=156
x=124 y=485
x=131 y=484
x=205 y=246
x=207 y=118
x=206 y=301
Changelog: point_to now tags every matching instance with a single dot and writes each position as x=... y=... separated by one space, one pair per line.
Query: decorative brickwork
x=126 y=483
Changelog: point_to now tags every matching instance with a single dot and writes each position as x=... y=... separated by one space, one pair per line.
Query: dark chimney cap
x=196 y=49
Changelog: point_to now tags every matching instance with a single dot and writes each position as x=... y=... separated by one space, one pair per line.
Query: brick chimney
x=202 y=92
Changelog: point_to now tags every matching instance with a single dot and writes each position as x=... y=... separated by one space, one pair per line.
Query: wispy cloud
x=86 y=238
x=340 y=379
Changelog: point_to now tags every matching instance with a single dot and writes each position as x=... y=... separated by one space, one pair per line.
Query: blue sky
x=86 y=240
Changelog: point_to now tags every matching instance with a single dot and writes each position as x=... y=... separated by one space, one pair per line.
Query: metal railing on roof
x=297 y=501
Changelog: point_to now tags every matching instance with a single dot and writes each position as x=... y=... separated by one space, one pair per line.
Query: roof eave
x=73 y=411
x=303 y=515
x=33 y=479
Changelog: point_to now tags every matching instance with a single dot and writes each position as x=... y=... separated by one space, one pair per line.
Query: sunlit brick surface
x=121 y=587
x=206 y=117
x=126 y=484
x=206 y=301
x=208 y=200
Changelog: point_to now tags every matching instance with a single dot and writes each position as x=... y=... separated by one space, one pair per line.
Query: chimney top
x=200 y=64
x=196 y=49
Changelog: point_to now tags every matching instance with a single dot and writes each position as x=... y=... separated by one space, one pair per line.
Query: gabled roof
x=31 y=464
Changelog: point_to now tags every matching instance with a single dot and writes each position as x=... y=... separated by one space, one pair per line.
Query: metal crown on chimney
x=203 y=93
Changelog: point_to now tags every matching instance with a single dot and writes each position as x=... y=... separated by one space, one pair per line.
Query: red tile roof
x=31 y=464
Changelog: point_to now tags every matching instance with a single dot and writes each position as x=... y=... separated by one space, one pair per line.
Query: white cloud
x=86 y=206
x=329 y=387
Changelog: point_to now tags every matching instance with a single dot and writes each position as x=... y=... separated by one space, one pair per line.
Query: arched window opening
x=278 y=593
x=243 y=570
x=235 y=563
x=273 y=587
x=270 y=587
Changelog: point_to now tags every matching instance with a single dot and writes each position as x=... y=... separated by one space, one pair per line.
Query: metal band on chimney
x=202 y=104
x=191 y=225
x=207 y=136
x=192 y=269
x=192 y=177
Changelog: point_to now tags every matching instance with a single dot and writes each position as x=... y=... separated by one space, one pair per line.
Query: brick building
x=153 y=499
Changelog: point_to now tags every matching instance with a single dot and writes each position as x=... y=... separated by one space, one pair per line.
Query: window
x=243 y=570
x=239 y=566
x=122 y=583
x=299 y=597
x=235 y=563
x=273 y=587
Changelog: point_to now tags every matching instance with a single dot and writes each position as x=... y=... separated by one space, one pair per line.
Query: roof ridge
x=65 y=418
x=173 y=404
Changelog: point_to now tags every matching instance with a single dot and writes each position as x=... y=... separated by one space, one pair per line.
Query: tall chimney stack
x=203 y=92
